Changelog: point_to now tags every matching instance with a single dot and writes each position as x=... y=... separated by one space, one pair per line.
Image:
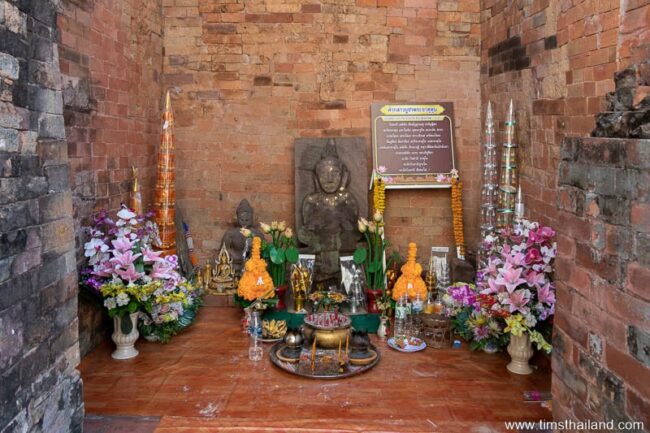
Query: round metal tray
x=294 y=368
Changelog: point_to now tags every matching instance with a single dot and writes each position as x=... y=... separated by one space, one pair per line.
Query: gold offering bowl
x=326 y=338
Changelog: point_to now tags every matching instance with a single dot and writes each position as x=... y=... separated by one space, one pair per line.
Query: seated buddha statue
x=235 y=242
x=223 y=275
x=329 y=215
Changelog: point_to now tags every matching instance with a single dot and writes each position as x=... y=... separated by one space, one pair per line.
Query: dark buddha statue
x=234 y=240
x=329 y=215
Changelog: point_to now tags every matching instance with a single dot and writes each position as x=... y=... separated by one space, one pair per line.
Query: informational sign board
x=413 y=144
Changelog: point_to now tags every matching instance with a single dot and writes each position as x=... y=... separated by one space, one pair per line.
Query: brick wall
x=250 y=77
x=601 y=362
x=111 y=61
x=40 y=390
x=556 y=59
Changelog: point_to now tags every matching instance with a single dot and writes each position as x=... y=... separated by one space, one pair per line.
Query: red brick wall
x=557 y=59
x=110 y=57
x=250 y=77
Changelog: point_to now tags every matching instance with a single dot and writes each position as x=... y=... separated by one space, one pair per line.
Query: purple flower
x=480 y=332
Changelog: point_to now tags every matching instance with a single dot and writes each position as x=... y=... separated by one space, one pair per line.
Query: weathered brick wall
x=40 y=390
x=556 y=59
x=111 y=61
x=250 y=77
x=601 y=361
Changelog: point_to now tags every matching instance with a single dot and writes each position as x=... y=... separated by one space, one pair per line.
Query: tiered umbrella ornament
x=165 y=194
x=509 y=177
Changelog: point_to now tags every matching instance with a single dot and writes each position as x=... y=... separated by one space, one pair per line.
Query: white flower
x=246 y=233
x=378 y=217
x=530 y=320
x=265 y=228
x=122 y=299
x=94 y=246
x=126 y=215
x=282 y=225
x=274 y=225
x=110 y=303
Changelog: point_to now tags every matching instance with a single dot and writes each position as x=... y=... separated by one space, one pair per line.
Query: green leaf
x=292 y=255
x=374 y=266
x=277 y=255
x=132 y=307
x=360 y=255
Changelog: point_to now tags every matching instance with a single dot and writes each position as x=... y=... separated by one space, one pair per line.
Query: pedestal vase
x=520 y=350
x=125 y=334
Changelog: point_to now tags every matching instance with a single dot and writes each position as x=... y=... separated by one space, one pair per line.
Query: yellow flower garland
x=256 y=281
x=410 y=282
x=457 y=213
x=379 y=194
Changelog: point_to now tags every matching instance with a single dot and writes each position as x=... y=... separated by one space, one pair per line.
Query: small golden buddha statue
x=223 y=277
x=207 y=277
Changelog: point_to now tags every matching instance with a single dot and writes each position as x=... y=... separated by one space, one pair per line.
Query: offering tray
x=326 y=365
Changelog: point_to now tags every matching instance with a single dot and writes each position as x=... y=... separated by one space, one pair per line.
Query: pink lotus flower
x=546 y=294
x=125 y=259
x=510 y=277
x=151 y=256
x=518 y=300
x=122 y=244
x=129 y=274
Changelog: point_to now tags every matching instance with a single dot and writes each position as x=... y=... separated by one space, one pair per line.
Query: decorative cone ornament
x=135 y=202
x=509 y=177
x=410 y=282
x=165 y=194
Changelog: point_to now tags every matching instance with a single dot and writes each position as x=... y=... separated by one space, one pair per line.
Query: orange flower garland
x=255 y=282
x=457 y=213
x=410 y=282
x=379 y=194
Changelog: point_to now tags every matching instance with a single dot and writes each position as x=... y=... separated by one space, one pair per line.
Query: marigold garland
x=457 y=213
x=410 y=282
x=379 y=194
x=255 y=282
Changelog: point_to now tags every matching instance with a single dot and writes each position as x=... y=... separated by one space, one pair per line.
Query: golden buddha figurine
x=222 y=275
x=207 y=277
x=410 y=282
x=300 y=284
x=199 y=281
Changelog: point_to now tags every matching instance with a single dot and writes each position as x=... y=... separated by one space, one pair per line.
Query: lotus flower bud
x=288 y=232
x=372 y=227
x=362 y=225
x=378 y=217
x=265 y=228
x=282 y=225
x=246 y=233
x=274 y=225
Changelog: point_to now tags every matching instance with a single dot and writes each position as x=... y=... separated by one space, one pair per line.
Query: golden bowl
x=326 y=338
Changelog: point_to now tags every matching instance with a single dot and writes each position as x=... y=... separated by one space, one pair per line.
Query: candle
x=340 y=342
x=347 y=344
x=313 y=354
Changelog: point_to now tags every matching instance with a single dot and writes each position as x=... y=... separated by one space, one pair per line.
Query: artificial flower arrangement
x=518 y=280
x=129 y=276
x=472 y=318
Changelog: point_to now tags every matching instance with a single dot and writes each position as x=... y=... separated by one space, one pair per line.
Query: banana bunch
x=274 y=328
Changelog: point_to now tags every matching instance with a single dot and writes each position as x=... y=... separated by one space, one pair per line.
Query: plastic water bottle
x=255 y=351
x=401 y=316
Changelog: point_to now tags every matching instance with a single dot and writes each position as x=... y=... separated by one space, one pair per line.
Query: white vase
x=520 y=350
x=125 y=342
x=382 y=330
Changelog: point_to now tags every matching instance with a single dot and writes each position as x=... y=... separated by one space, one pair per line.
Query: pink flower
x=122 y=244
x=535 y=279
x=103 y=269
x=518 y=259
x=125 y=259
x=162 y=270
x=546 y=294
x=518 y=300
x=493 y=287
x=546 y=232
x=533 y=256
x=510 y=277
x=151 y=256
x=129 y=274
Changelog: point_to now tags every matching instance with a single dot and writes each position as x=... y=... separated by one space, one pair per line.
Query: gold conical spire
x=136 y=196
x=165 y=196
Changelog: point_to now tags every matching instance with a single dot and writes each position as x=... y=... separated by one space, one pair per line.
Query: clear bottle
x=255 y=351
x=401 y=316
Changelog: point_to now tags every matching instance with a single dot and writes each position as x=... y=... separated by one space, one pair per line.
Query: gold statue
x=135 y=200
x=300 y=284
x=223 y=277
x=207 y=276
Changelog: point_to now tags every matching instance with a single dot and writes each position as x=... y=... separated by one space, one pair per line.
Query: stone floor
x=203 y=382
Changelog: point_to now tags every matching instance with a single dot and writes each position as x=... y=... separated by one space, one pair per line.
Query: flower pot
x=520 y=350
x=125 y=334
x=280 y=293
x=372 y=300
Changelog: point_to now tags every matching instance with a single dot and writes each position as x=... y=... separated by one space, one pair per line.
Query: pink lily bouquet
x=130 y=276
x=518 y=277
